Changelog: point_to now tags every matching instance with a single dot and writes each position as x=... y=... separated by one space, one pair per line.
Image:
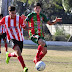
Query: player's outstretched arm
x=54 y=21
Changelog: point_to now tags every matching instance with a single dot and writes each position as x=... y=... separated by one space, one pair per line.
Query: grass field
x=58 y=59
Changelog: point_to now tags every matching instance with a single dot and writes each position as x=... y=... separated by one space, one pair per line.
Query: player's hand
x=58 y=19
x=23 y=17
x=0 y=33
x=29 y=28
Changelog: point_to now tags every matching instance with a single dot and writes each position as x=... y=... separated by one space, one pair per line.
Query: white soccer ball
x=40 y=66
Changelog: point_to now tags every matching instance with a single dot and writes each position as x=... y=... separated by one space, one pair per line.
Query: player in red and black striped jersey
x=3 y=34
x=35 y=20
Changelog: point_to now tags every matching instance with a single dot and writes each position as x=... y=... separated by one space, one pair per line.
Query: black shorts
x=35 y=39
x=16 y=42
x=3 y=36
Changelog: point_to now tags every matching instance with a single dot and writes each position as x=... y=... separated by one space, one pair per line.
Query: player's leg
x=0 y=43
x=43 y=53
x=42 y=50
x=19 y=56
x=6 y=47
x=17 y=53
x=18 y=50
x=8 y=55
x=4 y=39
x=37 y=57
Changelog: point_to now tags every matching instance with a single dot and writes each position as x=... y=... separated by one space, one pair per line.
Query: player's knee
x=18 y=53
x=44 y=50
x=17 y=50
x=42 y=44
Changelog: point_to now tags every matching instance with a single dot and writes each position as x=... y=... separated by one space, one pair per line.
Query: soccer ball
x=40 y=66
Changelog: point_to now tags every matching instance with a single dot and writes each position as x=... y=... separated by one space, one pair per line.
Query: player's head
x=1 y=16
x=12 y=11
x=37 y=8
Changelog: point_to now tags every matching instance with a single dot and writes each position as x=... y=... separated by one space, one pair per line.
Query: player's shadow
x=58 y=48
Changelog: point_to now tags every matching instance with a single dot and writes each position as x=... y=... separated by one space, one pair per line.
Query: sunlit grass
x=56 y=60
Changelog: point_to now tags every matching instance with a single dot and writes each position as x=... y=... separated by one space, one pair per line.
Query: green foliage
x=51 y=8
x=59 y=31
x=29 y=1
x=22 y=0
x=60 y=35
x=58 y=6
x=67 y=36
x=67 y=4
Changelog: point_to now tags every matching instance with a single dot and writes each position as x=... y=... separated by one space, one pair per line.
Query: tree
x=51 y=8
x=67 y=5
x=28 y=1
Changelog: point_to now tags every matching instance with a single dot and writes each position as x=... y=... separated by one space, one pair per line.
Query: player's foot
x=0 y=51
x=25 y=69
x=36 y=60
x=7 y=58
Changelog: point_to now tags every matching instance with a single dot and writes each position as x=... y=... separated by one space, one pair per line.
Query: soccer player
x=13 y=24
x=2 y=34
x=35 y=20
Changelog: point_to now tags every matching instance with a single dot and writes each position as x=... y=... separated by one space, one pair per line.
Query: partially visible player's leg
x=0 y=46
x=0 y=43
x=4 y=39
x=6 y=47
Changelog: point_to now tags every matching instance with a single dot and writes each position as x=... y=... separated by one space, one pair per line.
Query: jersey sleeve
x=45 y=19
x=28 y=17
x=2 y=21
x=22 y=23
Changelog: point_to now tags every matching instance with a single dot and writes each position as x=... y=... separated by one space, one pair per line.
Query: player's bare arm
x=54 y=21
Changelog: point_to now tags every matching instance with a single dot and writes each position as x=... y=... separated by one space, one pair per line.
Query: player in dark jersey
x=35 y=20
x=3 y=34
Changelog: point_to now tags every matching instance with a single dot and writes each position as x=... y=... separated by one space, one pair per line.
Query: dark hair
x=11 y=8
x=37 y=4
x=1 y=15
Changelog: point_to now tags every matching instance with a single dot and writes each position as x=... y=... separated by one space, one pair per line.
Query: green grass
x=58 y=59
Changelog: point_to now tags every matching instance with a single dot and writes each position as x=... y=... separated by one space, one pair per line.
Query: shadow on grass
x=58 y=48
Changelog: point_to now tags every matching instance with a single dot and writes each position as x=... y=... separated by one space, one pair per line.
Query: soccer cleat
x=25 y=69
x=7 y=58
x=36 y=60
